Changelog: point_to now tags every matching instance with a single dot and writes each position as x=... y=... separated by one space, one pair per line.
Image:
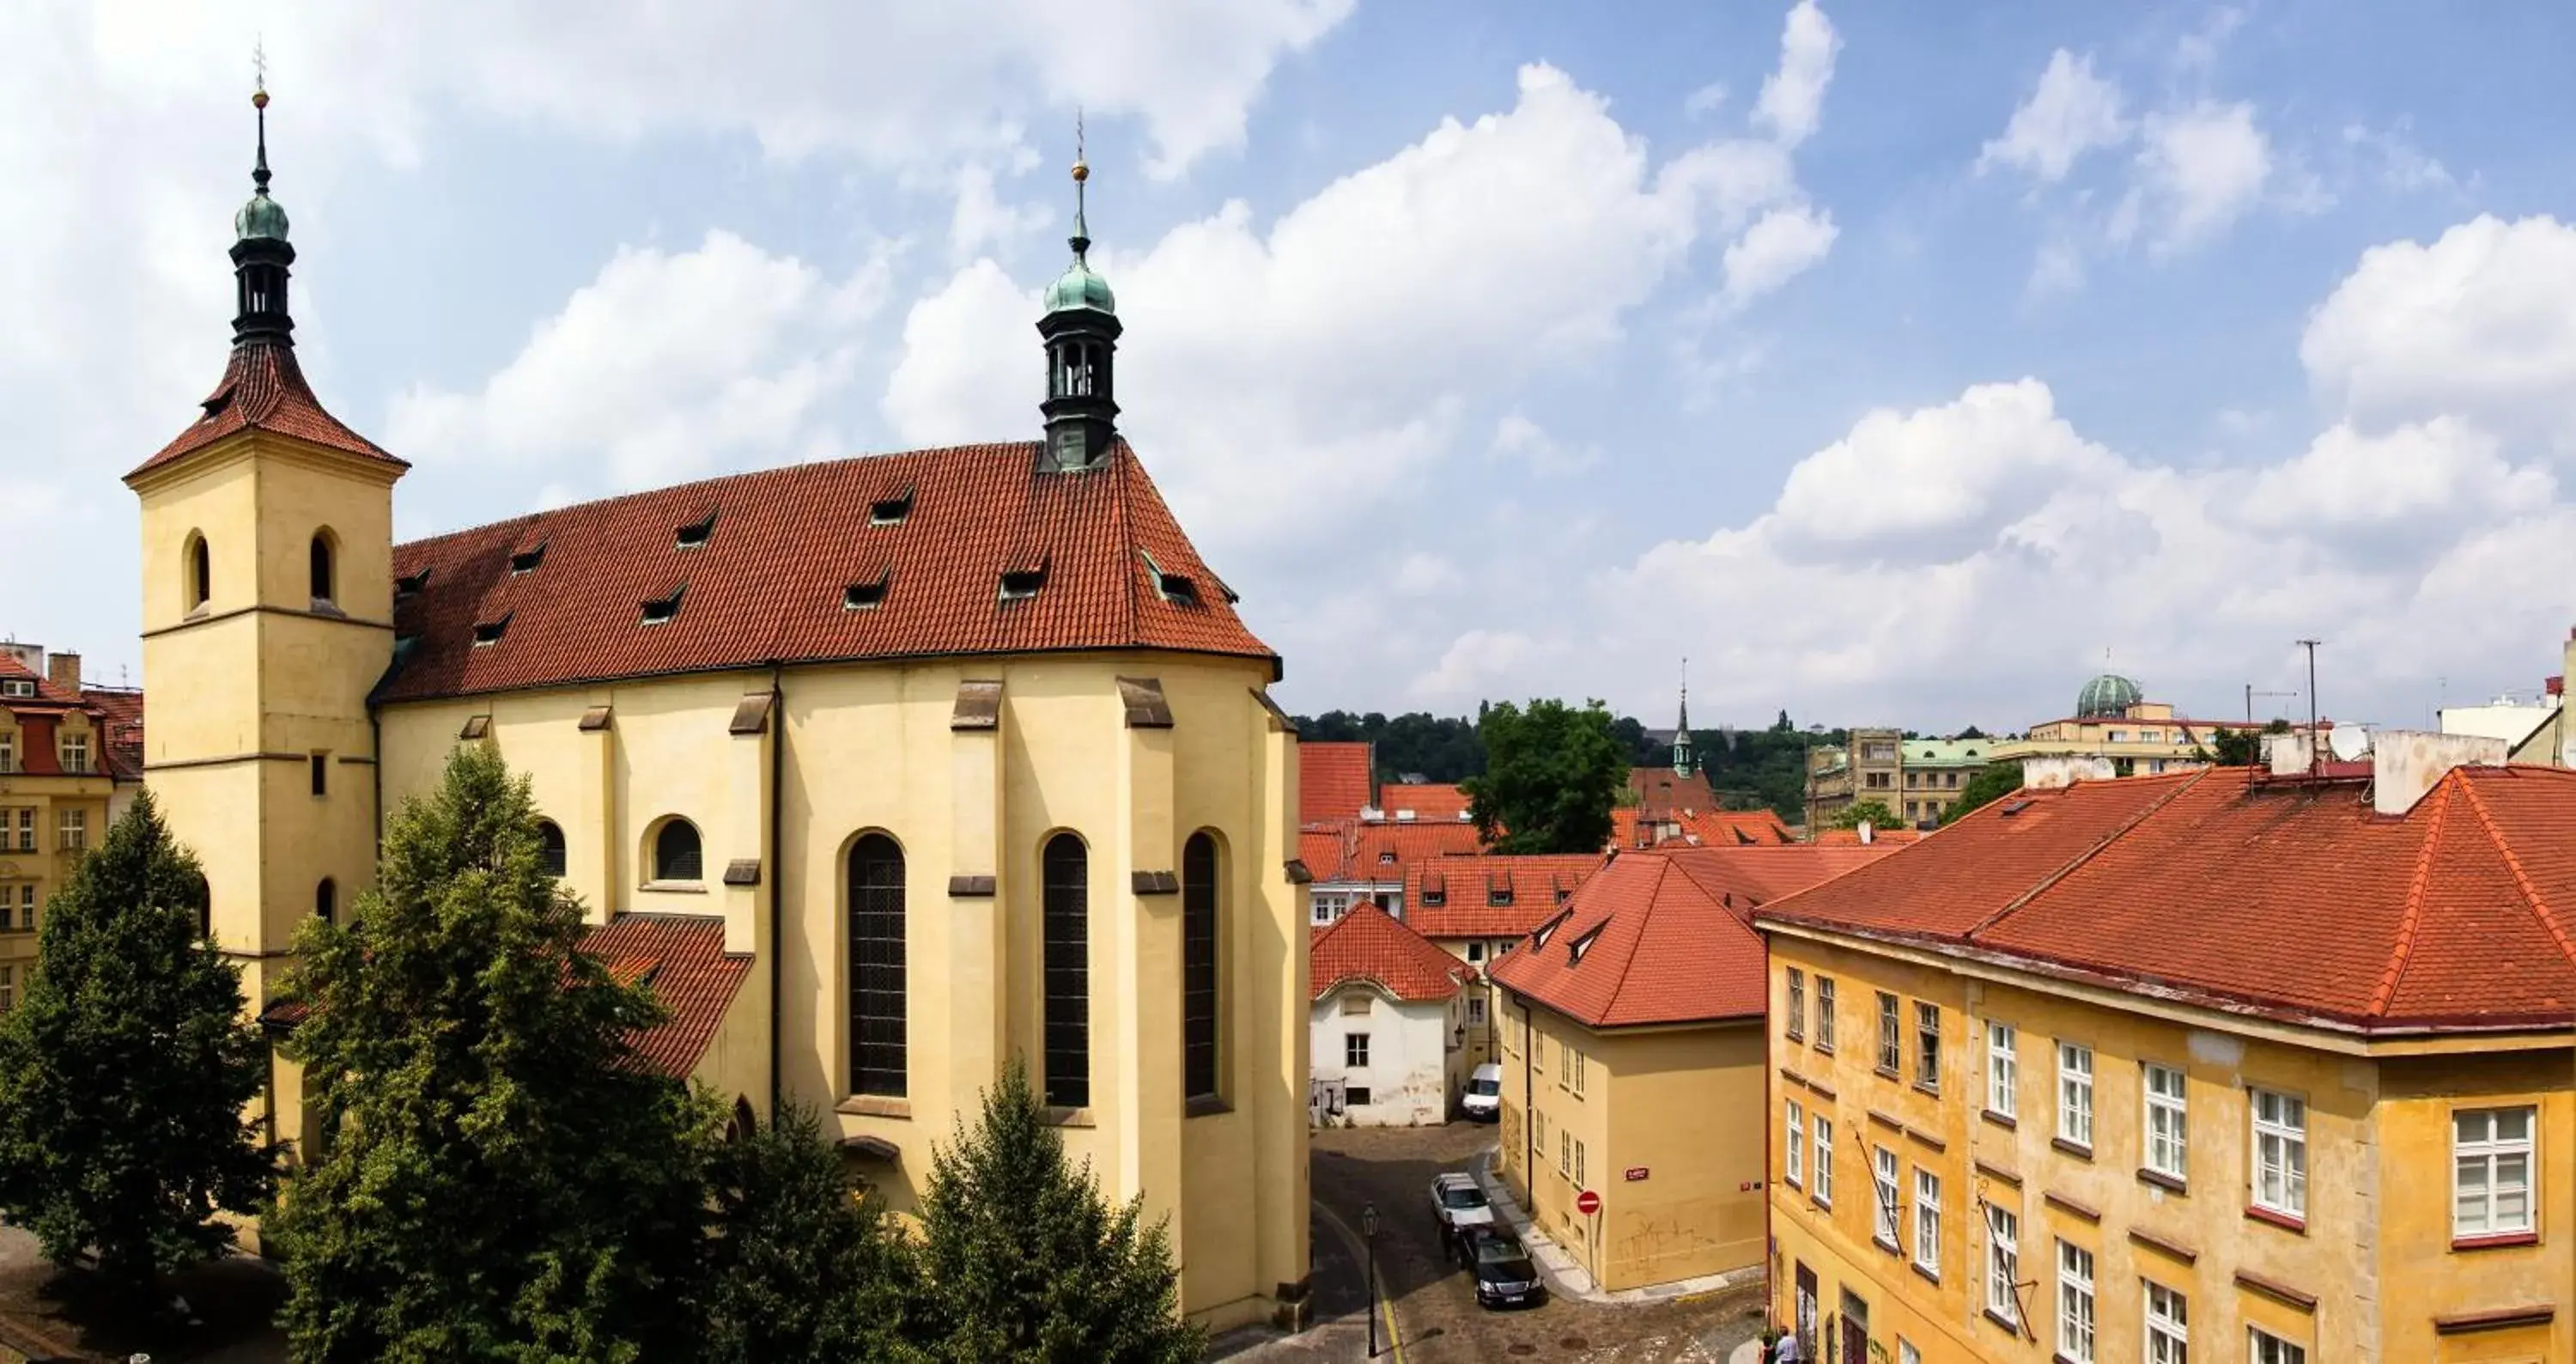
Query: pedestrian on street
x=1788 y=1352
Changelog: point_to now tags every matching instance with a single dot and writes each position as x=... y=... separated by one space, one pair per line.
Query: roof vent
x=411 y=584
x=1404 y=816
x=891 y=509
x=660 y=610
x=866 y=596
x=696 y=534
x=1020 y=584
x=2013 y=807
x=526 y=560
x=489 y=631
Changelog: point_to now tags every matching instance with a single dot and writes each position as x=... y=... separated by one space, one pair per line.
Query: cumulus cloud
x=2199 y=169
x=1776 y=250
x=2070 y=112
x=1793 y=97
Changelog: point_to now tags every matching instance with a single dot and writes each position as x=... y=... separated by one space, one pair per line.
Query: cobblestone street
x=1431 y=1303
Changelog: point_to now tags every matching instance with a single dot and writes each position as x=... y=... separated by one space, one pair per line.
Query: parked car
x=1484 y=1100
x=1456 y=1202
x=1504 y=1275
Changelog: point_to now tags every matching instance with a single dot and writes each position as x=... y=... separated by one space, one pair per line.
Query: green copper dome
x=262 y=217
x=1080 y=287
x=2107 y=697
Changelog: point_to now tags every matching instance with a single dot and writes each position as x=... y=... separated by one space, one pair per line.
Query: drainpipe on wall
x=376 y=750
x=1529 y=1117
x=777 y=875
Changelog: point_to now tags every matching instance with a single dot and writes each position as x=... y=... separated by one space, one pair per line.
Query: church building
x=883 y=770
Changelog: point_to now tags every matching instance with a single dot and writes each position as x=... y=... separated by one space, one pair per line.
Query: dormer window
x=660 y=610
x=1176 y=588
x=696 y=534
x=526 y=560
x=1539 y=938
x=489 y=632
x=891 y=509
x=866 y=596
x=1020 y=584
x=410 y=585
x=1574 y=951
x=1386 y=858
x=17 y=686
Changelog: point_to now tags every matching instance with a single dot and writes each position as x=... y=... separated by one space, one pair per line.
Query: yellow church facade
x=882 y=771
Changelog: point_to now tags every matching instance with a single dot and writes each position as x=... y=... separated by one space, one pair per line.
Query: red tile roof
x=263 y=388
x=682 y=958
x=1850 y=838
x=1666 y=937
x=768 y=584
x=1427 y=800
x=1659 y=789
x=1368 y=944
x=2277 y=898
x=120 y=710
x=1379 y=852
x=1453 y=896
x=1334 y=780
x=1698 y=828
x=48 y=696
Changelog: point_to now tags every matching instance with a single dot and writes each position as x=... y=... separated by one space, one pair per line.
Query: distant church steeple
x=1683 y=762
x=261 y=253
x=1080 y=329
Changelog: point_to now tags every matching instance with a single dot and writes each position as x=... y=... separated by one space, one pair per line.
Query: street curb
x=1567 y=1277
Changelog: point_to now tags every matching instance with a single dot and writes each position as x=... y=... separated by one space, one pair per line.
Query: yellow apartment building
x=883 y=771
x=57 y=782
x=1633 y=1061
x=2114 y=720
x=2212 y=1065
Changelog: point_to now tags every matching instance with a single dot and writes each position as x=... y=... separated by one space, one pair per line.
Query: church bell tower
x=1080 y=329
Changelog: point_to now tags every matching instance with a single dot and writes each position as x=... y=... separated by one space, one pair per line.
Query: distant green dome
x=2107 y=697
x=1078 y=287
x=262 y=217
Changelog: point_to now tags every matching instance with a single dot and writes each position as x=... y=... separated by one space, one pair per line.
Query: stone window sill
x=1068 y=1117
x=2005 y=1121
x=2164 y=1181
x=1929 y=1276
x=2283 y=1220
x=675 y=887
x=2499 y=1241
x=2075 y=1149
x=1206 y=1105
x=2011 y=1326
x=874 y=1106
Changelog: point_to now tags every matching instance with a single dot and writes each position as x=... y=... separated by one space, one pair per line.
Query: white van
x=1484 y=1100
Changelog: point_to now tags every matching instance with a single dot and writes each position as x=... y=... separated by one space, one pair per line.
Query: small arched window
x=326 y=901
x=675 y=853
x=878 y=986
x=550 y=847
x=1066 y=929
x=201 y=572
x=321 y=566
x=1199 y=967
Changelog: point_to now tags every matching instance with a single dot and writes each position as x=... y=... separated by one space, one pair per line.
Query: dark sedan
x=1504 y=1275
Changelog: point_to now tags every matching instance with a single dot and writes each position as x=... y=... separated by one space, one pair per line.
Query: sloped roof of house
x=1666 y=937
x=683 y=959
x=1702 y=828
x=1425 y=801
x=1335 y=779
x=263 y=389
x=2287 y=899
x=1491 y=895
x=1369 y=944
x=1379 y=851
x=885 y=556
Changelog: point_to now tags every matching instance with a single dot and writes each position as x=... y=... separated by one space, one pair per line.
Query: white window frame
x=1579 y=1153
x=2167 y=1122
x=1793 y=1167
x=2003 y=1069
x=2168 y=1324
x=1927 y=1221
x=2279 y=1151
x=71 y=829
x=1475 y=1008
x=1886 y=1197
x=1574 y=1069
x=8 y=751
x=1906 y=1353
x=2075 y=1093
x=2263 y=1347
x=1820 y=1184
x=75 y=750
x=2003 y=1262
x=2488 y=1154
x=1355 y=1050
x=1825 y=1013
x=2075 y=1305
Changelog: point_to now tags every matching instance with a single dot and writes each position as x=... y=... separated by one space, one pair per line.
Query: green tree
x=2236 y=748
x=126 y=1067
x=1026 y=1262
x=1873 y=813
x=1991 y=781
x=1551 y=775
x=803 y=1267
x=499 y=1176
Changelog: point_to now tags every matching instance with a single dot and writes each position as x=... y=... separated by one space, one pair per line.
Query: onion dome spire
x=1080 y=330
x=1683 y=759
x=261 y=253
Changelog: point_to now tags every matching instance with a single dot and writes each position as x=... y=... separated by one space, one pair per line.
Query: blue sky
x=1894 y=362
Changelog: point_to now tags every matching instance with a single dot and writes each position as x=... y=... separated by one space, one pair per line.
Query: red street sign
x=1587 y=1202
x=1635 y=1173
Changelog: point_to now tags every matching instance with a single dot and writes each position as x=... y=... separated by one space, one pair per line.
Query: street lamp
x=1368 y=1233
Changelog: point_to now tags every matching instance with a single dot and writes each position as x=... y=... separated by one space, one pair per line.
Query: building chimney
x=2406 y=763
x=1866 y=833
x=63 y=670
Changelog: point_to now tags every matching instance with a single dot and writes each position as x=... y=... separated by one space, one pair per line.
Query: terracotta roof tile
x=1429 y=801
x=769 y=582
x=1334 y=780
x=1378 y=852
x=1697 y=828
x=1453 y=896
x=2280 y=898
x=1369 y=944
x=263 y=388
x=1667 y=937
x=682 y=959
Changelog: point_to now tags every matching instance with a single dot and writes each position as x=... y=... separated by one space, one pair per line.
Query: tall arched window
x=675 y=853
x=1066 y=930
x=550 y=847
x=877 y=984
x=201 y=572
x=1198 y=967
x=326 y=901
x=321 y=566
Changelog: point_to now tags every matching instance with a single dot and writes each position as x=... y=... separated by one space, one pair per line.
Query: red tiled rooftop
x=682 y=959
x=1334 y=780
x=1666 y=937
x=1453 y=896
x=1379 y=852
x=768 y=584
x=263 y=388
x=1699 y=828
x=2277 y=898
x=1368 y=944
x=1428 y=801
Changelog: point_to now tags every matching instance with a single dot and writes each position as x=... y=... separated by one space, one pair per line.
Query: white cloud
x=1518 y=439
x=1794 y=96
x=1424 y=574
x=1776 y=250
x=2390 y=158
x=982 y=222
x=2070 y=112
x=667 y=365
x=1476 y=665
x=1705 y=100
x=2201 y=167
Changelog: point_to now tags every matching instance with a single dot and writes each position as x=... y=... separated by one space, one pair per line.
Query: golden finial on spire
x=259 y=75
x=1081 y=167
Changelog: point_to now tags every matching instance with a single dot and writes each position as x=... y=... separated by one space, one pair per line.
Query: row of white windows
x=71 y=829
x=71 y=749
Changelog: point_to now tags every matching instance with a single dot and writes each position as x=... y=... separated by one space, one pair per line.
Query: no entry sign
x=1587 y=1202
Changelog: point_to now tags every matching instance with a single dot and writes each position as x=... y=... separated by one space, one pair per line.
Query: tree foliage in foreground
x=1552 y=773
x=126 y=1068
x=803 y=1266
